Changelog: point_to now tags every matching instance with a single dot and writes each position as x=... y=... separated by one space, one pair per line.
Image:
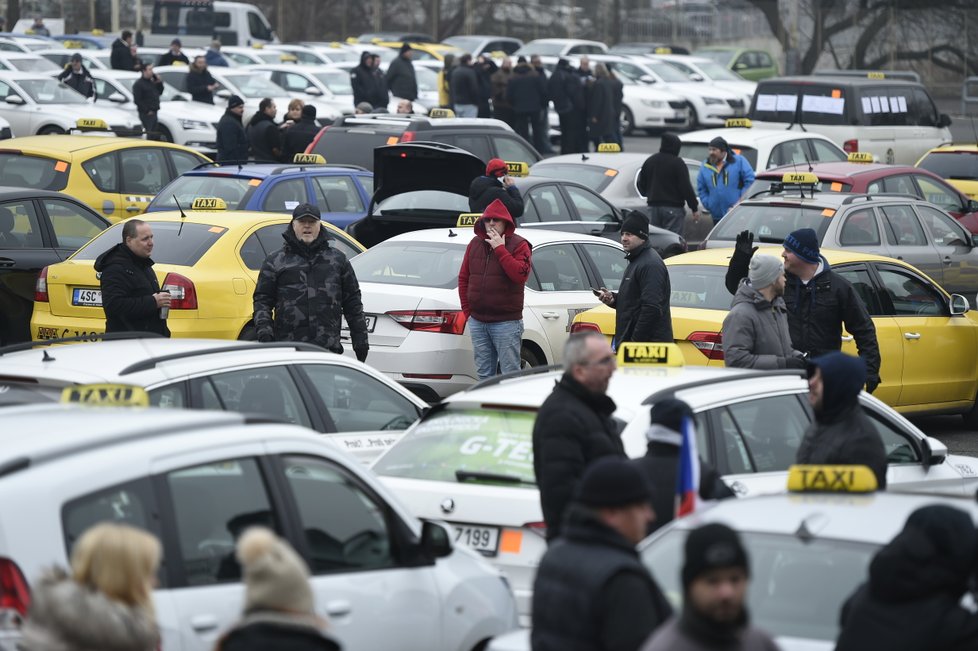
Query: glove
x=795 y=362
x=871 y=384
x=745 y=244
x=264 y=336
x=361 y=352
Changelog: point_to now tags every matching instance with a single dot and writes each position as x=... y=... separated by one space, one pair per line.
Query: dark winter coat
x=299 y=136
x=264 y=630
x=526 y=90
x=81 y=81
x=491 y=282
x=755 y=331
x=486 y=189
x=214 y=57
x=168 y=58
x=121 y=57
x=498 y=83
x=464 y=84
x=842 y=433
x=368 y=85
x=664 y=178
x=601 y=108
x=565 y=89
x=146 y=94
x=128 y=284
x=690 y=632
x=573 y=428
x=592 y=593
x=265 y=137
x=617 y=98
x=232 y=141
x=401 y=79
x=197 y=86
x=309 y=287
x=642 y=300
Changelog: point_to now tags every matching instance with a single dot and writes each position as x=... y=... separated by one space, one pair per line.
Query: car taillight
x=409 y=136
x=850 y=146
x=15 y=596
x=451 y=322
x=41 y=287
x=311 y=149
x=539 y=528
x=584 y=326
x=182 y=292
x=708 y=343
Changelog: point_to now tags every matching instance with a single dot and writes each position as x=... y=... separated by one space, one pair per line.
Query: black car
x=351 y=139
x=37 y=228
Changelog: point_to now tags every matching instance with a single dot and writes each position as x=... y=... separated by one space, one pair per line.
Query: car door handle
x=847 y=337
x=911 y=335
x=947 y=259
x=551 y=315
x=338 y=608
x=6 y=262
x=202 y=623
x=133 y=209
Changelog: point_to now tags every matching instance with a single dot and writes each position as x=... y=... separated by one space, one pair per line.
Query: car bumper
x=45 y=325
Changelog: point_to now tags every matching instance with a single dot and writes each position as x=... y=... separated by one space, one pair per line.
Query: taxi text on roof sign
x=91 y=123
x=831 y=479
x=208 y=203
x=738 y=122
x=514 y=168
x=649 y=354
x=799 y=178
x=106 y=395
x=876 y=75
x=609 y=148
x=468 y=219
x=860 y=157
x=441 y=113
x=315 y=159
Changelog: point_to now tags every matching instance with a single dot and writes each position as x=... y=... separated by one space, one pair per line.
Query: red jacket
x=491 y=281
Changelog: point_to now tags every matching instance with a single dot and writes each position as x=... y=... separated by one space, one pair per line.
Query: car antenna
x=584 y=157
x=183 y=215
x=452 y=233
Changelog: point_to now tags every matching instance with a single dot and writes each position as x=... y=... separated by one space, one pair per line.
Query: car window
x=771 y=223
x=39 y=173
x=213 y=504
x=733 y=455
x=772 y=429
x=172 y=396
x=129 y=503
x=144 y=170
x=415 y=264
x=901 y=184
x=938 y=194
x=337 y=194
x=944 y=231
x=72 y=224
x=511 y=149
x=291 y=81
x=910 y=295
x=102 y=171
x=596 y=177
x=368 y=184
x=234 y=190
x=590 y=208
x=19 y=227
x=699 y=286
x=558 y=268
x=898 y=445
x=903 y=229
x=268 y=390
x=475 y=144
x=545 y=204
x=182 y=161
x=357 y=402
x=860 y=229
x=764 y=60
x=825 y=152
x=285 y=195
x=862 y=282
x=793 y=152
x=924 y=109
x=610 y=262
x=345 y=528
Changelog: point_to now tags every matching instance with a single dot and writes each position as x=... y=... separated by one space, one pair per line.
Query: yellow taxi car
x=115 y=177
x=209 y=259
x=928 y=338
x=958 y=164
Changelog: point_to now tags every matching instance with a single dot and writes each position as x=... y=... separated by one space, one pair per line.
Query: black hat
x=76 y=57
x=613 y=481
x=306 y=210
x=669 y=412
x=176 y=41
x=637 y=224
x=309 y=111
x=710 y=547
x=234 y=101
x=406 y=48
x=803 y=243
x=719 y=143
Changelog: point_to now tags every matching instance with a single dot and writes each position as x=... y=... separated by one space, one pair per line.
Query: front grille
x=736 y=103
x=677 y=104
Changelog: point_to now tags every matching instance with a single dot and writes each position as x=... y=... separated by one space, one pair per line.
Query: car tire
x=970 y=417
x=694 y=119
x=627 y=122
x=165 y=135
x=50 y=130
x=528 y=357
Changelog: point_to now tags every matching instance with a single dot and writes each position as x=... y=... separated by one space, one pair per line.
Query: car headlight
x=713 y=100
x=653 y=103
x=195 y=124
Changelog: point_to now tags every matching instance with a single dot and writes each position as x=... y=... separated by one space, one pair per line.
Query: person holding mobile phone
x=495 y=184
x=146 y=93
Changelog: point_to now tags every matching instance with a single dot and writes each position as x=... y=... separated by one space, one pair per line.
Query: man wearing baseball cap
x=495 y=184
x=723 y=179
x=306 y=287
x=78 y=77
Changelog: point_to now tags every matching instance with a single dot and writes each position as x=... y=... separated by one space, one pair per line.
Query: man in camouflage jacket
x=310 y=285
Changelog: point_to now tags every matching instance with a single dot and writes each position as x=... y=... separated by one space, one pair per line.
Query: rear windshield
x=954 y=165
x=173 y=243
x=697 y=151
x=494 y=442
x=771 y=222
x=21 y=171
x=235 y=190
x=813 y=103
x=354 y=145
x=701 y=286
x=415 y=264
x=593 y=176
x=760 y=185
x=428 y=203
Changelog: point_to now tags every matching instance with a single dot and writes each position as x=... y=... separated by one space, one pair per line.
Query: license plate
x=87 y=297
x=482 y=539
x=371 y=324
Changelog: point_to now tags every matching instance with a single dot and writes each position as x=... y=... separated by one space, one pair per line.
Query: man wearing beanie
x=755 y=330
x=491 y=285
x=232 y=141
x=723 y=179
x=715 y=577
x=592 y=590
x=495 y=184
x=642 y=300
x=664 y=180
x=279 y=610
x=818 y=300
x=400 y=77
x=299 y=136
x=661 y=461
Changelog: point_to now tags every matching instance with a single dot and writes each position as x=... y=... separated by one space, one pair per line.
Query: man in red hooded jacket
x=490 y=286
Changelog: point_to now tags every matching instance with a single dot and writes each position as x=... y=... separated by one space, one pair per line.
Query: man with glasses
x=574 y=425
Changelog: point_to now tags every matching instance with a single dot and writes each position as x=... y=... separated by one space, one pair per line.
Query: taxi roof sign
x=876 y=75
x=208 y=203
x=437 y=113
x=91 y=123
x=744 y=123
x=515 y=168
x=649 y=354
x=468 y=219
x=663 y=50
x=831 y=479
x=609 y=148
x=799 y=178
x=860 y=157
x=106 y=395
x=309 y=159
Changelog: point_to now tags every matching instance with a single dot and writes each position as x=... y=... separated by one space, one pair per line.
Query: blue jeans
x=496 y=343
x=466 y=111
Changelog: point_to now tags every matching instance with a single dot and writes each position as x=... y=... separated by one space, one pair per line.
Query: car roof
x=17 y=75
x=843 y=169
x=742 y=135
x=562 y=40
x=63 y=145
x=721 y=257
x=394 y=120
x=230 y=219
x=951 y=147
x=7 y=192
x=264 y=170
x=838 y=81
x=535 y=236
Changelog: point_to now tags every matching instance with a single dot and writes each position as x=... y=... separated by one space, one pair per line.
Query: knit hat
x=234 y=101
x=76 y=57
x=363 y=107
x=306 y=210
x=176 y=41
x=669 y=412
x=309 y=111
x=275 y=577
x=636 y=223
x=719 y=143
x=764 y=270
x=803 y=243
x=613 y=481
x=496 y=167
x=710 y=547
x=405 y=48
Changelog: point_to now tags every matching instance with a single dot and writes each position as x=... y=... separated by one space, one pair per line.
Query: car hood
x=411 y=167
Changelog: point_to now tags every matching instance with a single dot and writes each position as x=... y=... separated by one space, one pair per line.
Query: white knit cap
x=764 y=270
x=276 y=577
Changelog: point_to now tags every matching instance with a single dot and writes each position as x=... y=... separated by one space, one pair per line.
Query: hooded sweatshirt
x=491 y=281
x=755 y=331
x=664 y=178
x=842 y=433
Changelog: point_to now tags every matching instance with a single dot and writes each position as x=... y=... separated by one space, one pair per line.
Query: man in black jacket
x=121 y=57
x=368 y=82
x=400 y=77
x=527 y=93
x=173 y=55
x=301 y=134
x=841 y=433
x=591 y=590
x=131 y=295
x=464 y=85
x=78 y=77
x=232 y=141
x=200 y=82
x=664 y=180
x=496 y=184
x=642 y=300
x=566 y=90
x=263 y=134
x=574 y=425
x=146 y=93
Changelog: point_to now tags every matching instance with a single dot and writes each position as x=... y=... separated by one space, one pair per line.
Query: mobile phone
x=596 y=292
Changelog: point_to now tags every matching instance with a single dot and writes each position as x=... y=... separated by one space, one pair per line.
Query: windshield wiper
x=470 y=475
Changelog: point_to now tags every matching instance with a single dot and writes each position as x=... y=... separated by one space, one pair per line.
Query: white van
x=197 y=22
x=896 y=121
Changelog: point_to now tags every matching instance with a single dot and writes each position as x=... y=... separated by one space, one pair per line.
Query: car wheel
x=165 y=135
x=49 y=130
x=627 y=122
x=970 y=417
x=528 y=357
x=694 y=119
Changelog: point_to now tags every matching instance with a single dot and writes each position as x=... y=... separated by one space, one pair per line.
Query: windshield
x=697 y=151
x=715 y=71
x=428 y=202
x=593 y=176
x=954 y=165
x=667 y=72
x=415 y=264
x=22 y=171
x=174 y=243
x=723 y=57
x=543 y=49
x=770 y=222
x=235 y=190
x=249 y=85
x=49 y=91
x=491 y=443
x=33 y=65
x=699 y=286
x=797 y=585
x=337 y=82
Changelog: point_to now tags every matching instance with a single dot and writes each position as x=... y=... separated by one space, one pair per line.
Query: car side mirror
x=971 y=206
x=647 y=79
x=118 y=98
x=959 y=304
x=935 y=452
x=696 y=76
x=312 y=90
x=224 y=92
x=437 y=543
x=14 y=99
x=944 y=121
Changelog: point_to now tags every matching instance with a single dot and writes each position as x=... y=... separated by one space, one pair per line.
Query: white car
x=418 y=336
x=23 y=62
x=470 y=462
x=238 y=55
x=304 y=55
x=329 y=83
x=766 y=148
x=61 y=57
x=197 y=480
x=334 y=51
x=710 y=72
x=193 y=124
x=35 y=103
x=559 y=47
